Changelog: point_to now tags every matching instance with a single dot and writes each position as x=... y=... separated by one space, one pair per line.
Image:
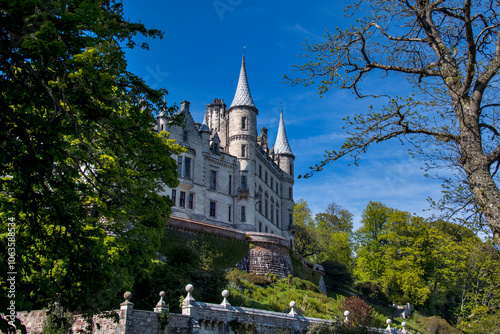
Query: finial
x=189 y=300
x=388 y=322
x=225 y=303
x=346 y=314
x=292 y=311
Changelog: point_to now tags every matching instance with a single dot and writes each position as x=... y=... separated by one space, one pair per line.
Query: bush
x=437 y=325
x=360 y=311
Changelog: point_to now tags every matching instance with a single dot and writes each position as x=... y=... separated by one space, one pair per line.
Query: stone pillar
x=126 y=313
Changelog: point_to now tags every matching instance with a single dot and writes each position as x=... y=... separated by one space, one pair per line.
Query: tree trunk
x=477 y=166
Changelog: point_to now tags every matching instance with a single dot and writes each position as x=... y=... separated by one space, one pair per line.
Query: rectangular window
x=162 y=127
x=272 y=213
x=291 y=219
x=191 y=201
x=230 y=183
x=243 y=182
x=174 y=192
x=260 y=171
x=229 y=213
x=260 y=226
x=182 y=199
x=212 y=209
x=213 y=180
x=187 y=167
x=243 y=215
x=185 y=136
x=278 y=217
x=289 y=192
x=265 y=178
x=243 y=151
x=271 y=184
x=277 y=187
x=266 y=229
x=243 y=123
x=179 y=166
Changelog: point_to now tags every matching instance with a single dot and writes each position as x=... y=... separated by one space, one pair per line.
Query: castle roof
x=281 y=146
x=242 y=97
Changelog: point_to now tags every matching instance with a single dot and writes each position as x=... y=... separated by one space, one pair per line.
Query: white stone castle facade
x=228 y=176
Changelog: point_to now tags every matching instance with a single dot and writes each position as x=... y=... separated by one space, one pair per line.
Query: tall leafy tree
x=81 y=167
x=306 y=239
x=449 y=51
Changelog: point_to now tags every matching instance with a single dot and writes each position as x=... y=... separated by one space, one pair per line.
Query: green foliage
x=163 y=319
x=336 y=275
x=304 y=272
x=437 y=325
x=82 y=170
x=57 y=321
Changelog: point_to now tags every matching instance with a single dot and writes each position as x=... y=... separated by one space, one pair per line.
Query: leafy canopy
x=81 y=168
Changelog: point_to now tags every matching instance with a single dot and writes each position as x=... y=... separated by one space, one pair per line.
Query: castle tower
x=242 y=137
x=285 y=159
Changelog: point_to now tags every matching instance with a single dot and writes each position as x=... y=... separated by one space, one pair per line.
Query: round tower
x=242 y=139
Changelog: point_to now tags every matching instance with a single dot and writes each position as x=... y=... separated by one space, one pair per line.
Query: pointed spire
x=204 y=126
x=242 y=97
x=281 y=146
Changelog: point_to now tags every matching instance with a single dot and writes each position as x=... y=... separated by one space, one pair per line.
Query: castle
x=228 y=176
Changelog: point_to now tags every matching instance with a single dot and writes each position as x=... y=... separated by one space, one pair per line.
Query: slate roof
x=242 y=97
x=281 y=146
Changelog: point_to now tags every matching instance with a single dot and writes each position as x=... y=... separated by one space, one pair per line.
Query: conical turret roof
x=242 y=97
x=204 y=126
x=281 y=146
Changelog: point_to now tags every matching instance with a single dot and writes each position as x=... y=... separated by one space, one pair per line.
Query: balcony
x=243 y=192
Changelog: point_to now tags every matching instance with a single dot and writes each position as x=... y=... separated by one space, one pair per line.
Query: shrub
x=336 y=275
x=360 y=311
x=437 y=325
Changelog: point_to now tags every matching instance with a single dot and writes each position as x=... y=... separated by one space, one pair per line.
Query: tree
x=335 y=219
x=368 y=262
x=449 y=50
x=82 y=169
x=306 y=239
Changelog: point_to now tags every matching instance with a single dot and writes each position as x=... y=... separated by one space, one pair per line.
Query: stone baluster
x=161 y=307
x=225 y=303
x=404 y=327
x=292 y=311
x=388 y=322
x=346 y=314
x=189 y=300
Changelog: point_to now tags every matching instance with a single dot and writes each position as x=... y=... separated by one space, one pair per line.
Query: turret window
x=243 y=182
x=243 y=123
x=243 y=151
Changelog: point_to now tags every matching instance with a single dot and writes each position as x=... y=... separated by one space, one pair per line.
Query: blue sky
x=199 y=59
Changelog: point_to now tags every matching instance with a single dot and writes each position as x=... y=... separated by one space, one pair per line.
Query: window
x=291 y=169
x=260 y=205
x=291 y=219
x=277 y=187
x=179 y=166
x=266 y=229
x=187 y=167
x=260 y=171
x=243 y=215
x=271 y=184
x=243 y=151
x=213 y=180
x=272 y=212
x=212 y=209
x=162 y=127
x=265 y=178
x=289 y=192
x=230 y=183
x=260 y=226
x=191 y=201
x=265 y=208
x=229 y=213
x=185 y=136
x=243 y=123
x=182 y=200
x=174 y=192
x=243 y=182
x=278 y=217
x=215 y=147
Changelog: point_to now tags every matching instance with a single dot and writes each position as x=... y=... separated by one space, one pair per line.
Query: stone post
x=126 y=311
x=404 y=327
x=161 y=307
x=189 y=303
x=388 y=322
x=225 y=303
x=292 y=311
x=346 y=314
